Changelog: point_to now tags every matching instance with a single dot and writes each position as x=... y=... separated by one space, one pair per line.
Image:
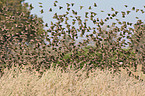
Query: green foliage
x=16 y=20
x=123 y=53
x=17 y=27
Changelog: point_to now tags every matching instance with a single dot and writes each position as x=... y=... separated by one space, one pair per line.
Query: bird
x=90 y=7
x=41 y=11
x=31 y=7
x=95 y=5
x=81 y=7
x=125 y=5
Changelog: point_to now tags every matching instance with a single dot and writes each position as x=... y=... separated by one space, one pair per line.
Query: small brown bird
x=95 y=5
x=81 y=7
x=50 y=9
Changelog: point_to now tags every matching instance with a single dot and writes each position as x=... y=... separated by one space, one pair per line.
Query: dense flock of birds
x=104 y=55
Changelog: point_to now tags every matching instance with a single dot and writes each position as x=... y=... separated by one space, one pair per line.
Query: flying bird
x=31 y=7
x=113 y=15
x=136 y=17
x=81 y=7
x=46 y=25
x=50 y=9
x=116 y=12
x=55 y=4
x=128 y=12
x=72 y=4
x=133 y=8
x=40 y=6
x=42 y=11
x=40 y=3
x=142 y=11
x=68 y=9
x=125 y=5
x=86 y=13
x=137 y=10
x=56 y=1
x=95 y=5
x=60 y=7
x=112 y=9
x=90 y=8
x=75 y=13
x=67 y=4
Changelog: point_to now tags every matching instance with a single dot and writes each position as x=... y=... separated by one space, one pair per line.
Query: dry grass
x=16 y=82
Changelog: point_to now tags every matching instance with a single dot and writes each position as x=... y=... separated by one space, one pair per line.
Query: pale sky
x=104 y=5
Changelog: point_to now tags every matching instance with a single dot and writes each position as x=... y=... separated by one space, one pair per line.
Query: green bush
x=98 y=62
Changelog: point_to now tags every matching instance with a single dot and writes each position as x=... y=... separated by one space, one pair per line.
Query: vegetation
x=54 y=82
x=17 y=29
x=22 y=44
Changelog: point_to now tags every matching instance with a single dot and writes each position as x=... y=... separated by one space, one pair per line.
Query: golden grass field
x=16 y=82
